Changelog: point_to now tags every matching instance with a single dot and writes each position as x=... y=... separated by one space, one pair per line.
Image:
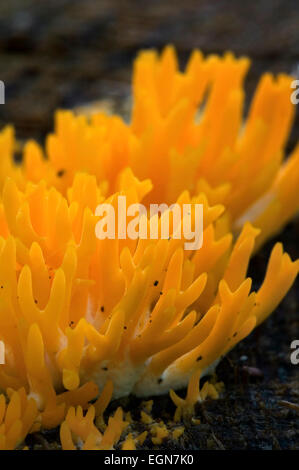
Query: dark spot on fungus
x=161 y=293
x=156 y=283
x=199 y=358
x=235 y=334
x=125 y=327
x=160 y=380
x=102 y=308
x=60 y=173
x=105 y=368
x=35 y=301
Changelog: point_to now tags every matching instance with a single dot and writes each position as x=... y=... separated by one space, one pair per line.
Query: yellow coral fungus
x=186 y=132
x=79 y=430
x=17 y=418
x=80 y=314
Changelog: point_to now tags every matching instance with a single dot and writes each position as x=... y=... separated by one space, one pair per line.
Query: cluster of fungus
x=85 y=319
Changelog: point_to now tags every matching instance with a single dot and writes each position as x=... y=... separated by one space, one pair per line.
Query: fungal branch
x=82 y=317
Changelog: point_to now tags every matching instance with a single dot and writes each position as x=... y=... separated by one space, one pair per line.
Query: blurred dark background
x=64 y=53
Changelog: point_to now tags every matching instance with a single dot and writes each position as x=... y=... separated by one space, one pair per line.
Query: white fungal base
x=127 y=378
